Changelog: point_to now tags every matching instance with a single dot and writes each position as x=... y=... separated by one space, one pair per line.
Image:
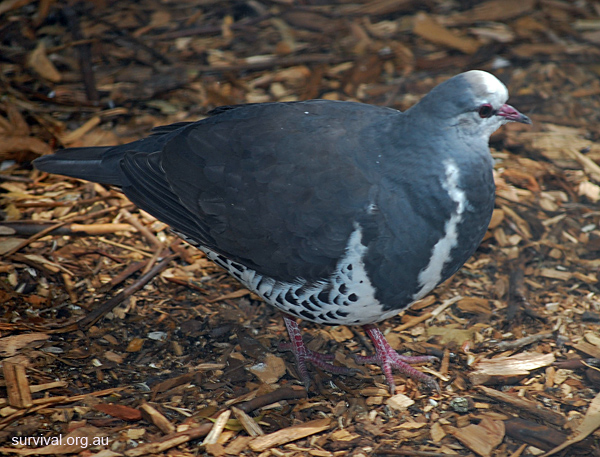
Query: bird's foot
x=303 y=354
x=387 y=358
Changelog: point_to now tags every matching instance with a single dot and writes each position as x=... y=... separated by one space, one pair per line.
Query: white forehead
x=488 y=84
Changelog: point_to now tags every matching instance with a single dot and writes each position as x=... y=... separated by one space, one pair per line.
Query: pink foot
x=387 y=358
x=303 y=354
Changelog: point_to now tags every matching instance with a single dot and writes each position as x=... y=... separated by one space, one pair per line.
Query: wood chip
x=482 y=438
x=428 y=28
x=499 y=368
x=155 y=417
x=38 y=60
x=249 y=424
x=238 y=445
x=17 y=386
x=289 y=434
x=10 y=345
x=493 y=10
x=270 y=370
x=399 y=402
x=217 y=428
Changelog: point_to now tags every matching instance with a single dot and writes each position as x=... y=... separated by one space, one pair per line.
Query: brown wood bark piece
x=481 y=438
x=287 y=435
x=17 y=386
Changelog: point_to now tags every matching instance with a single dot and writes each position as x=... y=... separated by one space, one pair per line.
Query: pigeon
x=334 y=212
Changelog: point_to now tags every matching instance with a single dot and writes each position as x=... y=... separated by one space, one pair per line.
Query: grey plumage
x=284 y=191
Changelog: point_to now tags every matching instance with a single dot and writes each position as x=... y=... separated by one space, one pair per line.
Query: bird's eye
x=485 y=110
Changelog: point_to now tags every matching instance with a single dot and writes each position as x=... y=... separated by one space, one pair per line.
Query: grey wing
x=252 y=185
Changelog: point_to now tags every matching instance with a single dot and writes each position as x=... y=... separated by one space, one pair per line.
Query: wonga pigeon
x=336 y=212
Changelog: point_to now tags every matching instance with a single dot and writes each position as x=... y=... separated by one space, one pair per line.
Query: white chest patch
x=347 y=297
x=431 y=275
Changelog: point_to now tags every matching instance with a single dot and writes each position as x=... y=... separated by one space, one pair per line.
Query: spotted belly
x=347 y=297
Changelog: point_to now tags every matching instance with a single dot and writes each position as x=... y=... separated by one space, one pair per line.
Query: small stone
x=460 y=404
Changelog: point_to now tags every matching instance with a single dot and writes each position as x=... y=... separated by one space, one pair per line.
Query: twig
x=131 y=269
x=534 y=434
x=170 y=441
x=95 y=315
x=527 y=406
x=109 y=305
x=123 y=36
x=28 y=229
x=5 y=177
x=33 y=238
x=54 y=204
x=522 y=342
x=285 y=393
x=155 y=242
x=517 y=297
x=414 y=321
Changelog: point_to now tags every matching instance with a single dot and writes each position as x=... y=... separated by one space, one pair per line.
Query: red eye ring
x=486 y=110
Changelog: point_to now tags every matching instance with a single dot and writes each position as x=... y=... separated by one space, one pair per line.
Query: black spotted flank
x=309 y=306
x=289 y=297
x=306 y=315
x=324 y=295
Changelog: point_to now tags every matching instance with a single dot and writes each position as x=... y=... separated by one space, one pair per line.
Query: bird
x=334 y=212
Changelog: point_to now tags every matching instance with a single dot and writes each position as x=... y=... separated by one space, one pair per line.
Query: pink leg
x=303 y=354
x=387 y=359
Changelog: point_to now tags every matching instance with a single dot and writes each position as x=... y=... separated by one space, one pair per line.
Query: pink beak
x=512 y=114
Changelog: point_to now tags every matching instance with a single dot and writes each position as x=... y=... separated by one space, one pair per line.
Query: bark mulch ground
x=118 y=339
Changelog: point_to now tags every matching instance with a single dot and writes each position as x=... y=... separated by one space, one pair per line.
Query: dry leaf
x=8 y=244
x=135 y=345
x=120 y=411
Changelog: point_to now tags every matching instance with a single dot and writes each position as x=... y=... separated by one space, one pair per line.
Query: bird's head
x=474 y=102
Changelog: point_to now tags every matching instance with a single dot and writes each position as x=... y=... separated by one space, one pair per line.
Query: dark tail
x=96 y=164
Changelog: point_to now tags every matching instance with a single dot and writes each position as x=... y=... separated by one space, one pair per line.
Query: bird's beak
x=512 y=114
